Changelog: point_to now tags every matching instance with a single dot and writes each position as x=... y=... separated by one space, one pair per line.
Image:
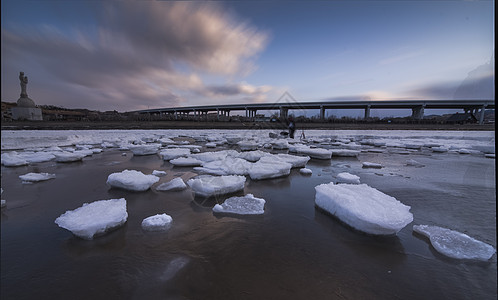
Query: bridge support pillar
x=367 y=112
x=481 y=115
x=322 y=113
x=284 y=112
x=418 y=112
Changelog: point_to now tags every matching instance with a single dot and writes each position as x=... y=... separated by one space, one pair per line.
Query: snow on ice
x=35 y=177
x=363 y=207
x=148 y=149
x=348 y=178
x=68 y=156
x=246 y=205
x=265 y=169
x=186 y=162
x=94 y=218
x=172 y=153
x=158 y=173
x=207 y=185
x=173 y=185
x=159 y=222
x=132 y=180
x=455 y=244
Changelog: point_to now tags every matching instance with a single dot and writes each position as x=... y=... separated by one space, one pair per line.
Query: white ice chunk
x=158 y=173
x=207 y=185
x=35 y=177
x=172 y=153
x=38 y=157
x=216 y=155
x=455 y=244
x=414 y=163
x=348 y=178
x=363 y=207
x=147 y=149
x=186 y=162
x=305 y=171
x=345 y=152
x=439 y=149
x=210 y=145
x=68 y=156
x=246 y=205
x=464 y=151
x=173 y=185
x=280 y=144
x=367 y=164
x=94 y=218
x=12 y=159
x=252 y=156
x=248 y=145
x=132 y=180
x=157 y=222
x=318 y=153
x=295 y=161
x=227 y=166
x=266 y=169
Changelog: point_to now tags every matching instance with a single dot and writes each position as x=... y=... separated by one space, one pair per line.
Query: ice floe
x=246 y=205
x=172 y=153
x=367 y=164
x=305 y=171
x=173 y=185
x=252 y=156
x=94 y=218
x=227 y=166
x=159 y=222
x=248 y=145
x=35 y=177
x=318 y=153
x=345 y=177
x=132 y=180
x=363 y=207
x=295 y=161
x=439 y=149
x=280 y=144
x=207 y=185
x=455 y=244
x=147 y=149
x=186 y=162
x=158 y=173
x=12 y=159
x=265 y=170
x=68 y=157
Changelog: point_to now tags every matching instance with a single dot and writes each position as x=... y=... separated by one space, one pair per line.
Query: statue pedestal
x=26 y=110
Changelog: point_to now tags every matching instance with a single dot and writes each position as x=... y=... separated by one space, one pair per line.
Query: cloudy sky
x=130 y=55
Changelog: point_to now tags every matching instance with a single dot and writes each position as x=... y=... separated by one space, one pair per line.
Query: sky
x=132 y=55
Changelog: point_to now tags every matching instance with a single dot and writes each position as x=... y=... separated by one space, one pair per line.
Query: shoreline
x=103 y=125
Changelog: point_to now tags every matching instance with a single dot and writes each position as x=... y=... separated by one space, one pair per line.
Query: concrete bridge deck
x=476 y=107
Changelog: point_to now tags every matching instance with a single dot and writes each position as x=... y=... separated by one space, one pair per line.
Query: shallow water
x=292 y=251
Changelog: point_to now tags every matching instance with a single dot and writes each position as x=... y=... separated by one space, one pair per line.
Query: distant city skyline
x=131 y=55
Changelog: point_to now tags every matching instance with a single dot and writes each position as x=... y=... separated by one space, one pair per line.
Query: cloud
x=132 y=57
x=401 y=57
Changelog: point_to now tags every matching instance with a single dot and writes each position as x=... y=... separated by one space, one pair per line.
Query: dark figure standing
x=292 y=127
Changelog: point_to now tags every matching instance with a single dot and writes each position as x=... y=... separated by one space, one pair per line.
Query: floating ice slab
x=439 y=149
x=252 y=156
x=173 y=185
x=172 y=153
x=227 y=166
x=35 y=177
x=159 y=222
x=363 y=207
x=68 y=156
x=367 y=164
x=295 y=161
x=216 y=155
x=248 y=145
x=414 y=163
x=145 y=149
x=455 y=244
x=37 y=157
x=345 y=152
x=246 y=205
x=94 y=218
x=207 y=185
x=132 y=180
x=305 y=171
x=348 y=178
x=186 y=162
x=158 y=173
x=318 y=153
x=12 y=159
x=280 y=144
x=266 y=170
x=210 y=145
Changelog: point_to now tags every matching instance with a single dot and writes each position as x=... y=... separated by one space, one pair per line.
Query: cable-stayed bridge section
x=476 y=107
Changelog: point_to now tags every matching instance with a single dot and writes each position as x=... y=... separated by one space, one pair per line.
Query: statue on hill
x=24 y=83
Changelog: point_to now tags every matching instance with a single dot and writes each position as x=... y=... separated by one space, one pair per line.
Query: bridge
x=476 y=107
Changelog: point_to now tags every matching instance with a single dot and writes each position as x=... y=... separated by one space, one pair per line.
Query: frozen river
x=292 y=251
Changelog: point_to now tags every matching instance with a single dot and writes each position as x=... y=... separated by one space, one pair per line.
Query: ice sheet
x=132 y=180
x=35 y=177
x=159 y=222
x=345 y=177
x=207 y=185
x=455 y=244
x=246 y=205
x=94 y=218
x=175 y=184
